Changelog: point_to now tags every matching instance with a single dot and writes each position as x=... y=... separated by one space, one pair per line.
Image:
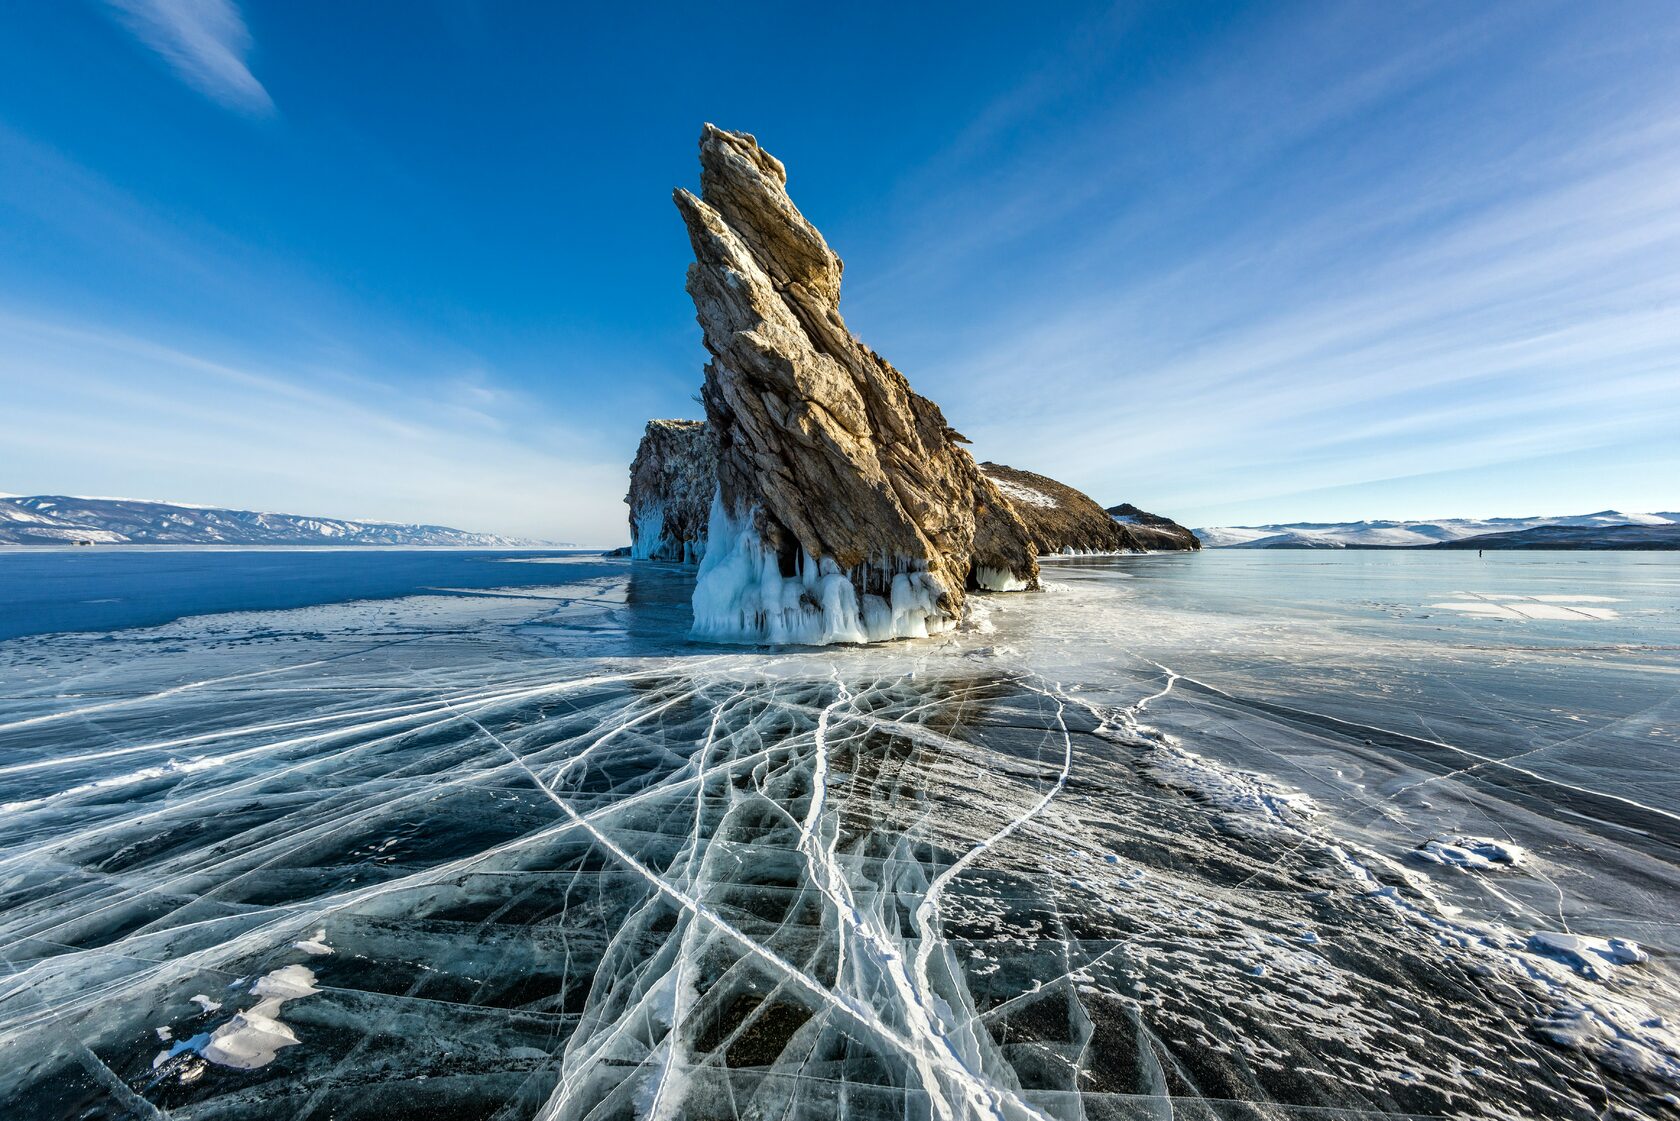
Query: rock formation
x=671 y=487
x=846 y=509
x=1063 y=520
x=1153 y=531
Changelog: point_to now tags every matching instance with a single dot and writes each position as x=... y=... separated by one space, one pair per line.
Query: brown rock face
x=846 y=507
x=671 y=485
x=1155 y=531
x=1060 y=519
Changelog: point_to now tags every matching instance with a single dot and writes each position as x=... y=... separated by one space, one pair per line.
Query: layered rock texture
x=1063 y=520
x=671 y=485
x=846 y=507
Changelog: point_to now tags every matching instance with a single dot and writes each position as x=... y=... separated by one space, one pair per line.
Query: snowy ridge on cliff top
x=1016 y=492
x=53 y=519
x=1400 y=534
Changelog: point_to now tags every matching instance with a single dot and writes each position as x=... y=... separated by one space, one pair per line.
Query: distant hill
x=1608 y=525
x=1574 y=537
x=56 y=519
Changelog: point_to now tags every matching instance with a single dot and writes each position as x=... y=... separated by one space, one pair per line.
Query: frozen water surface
x=1219 y=836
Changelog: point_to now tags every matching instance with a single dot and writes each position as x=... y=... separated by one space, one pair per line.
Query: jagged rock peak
x=748 y=188
x=671 y=485
x=846 y=508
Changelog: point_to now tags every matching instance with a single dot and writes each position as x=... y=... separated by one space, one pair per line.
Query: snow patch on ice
x=1587 y=955
x=1551 y=607
x=249 y=1040
x=315 y=945
x=253 y=1037
x=1472 y=852
x=1253 y=803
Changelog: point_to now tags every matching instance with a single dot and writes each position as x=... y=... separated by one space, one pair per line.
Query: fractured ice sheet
x=564 y=872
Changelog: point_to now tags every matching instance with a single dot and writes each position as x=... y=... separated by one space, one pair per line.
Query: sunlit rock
x=1060 y=519
x=846 y=509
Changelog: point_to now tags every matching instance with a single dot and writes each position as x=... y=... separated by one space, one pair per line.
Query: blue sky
x=1232 y=262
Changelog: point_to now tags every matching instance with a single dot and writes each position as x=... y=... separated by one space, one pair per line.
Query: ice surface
x=1567 y=608
x=1115 y=854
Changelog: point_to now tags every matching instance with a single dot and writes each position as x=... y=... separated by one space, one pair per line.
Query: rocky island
x=825 y=500
x=671 y=484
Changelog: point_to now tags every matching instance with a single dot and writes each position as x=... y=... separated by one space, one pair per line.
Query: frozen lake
x=482 y=835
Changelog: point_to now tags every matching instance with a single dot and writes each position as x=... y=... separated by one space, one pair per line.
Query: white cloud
x=207 y=43
x=1255 y=282
x=96 y=411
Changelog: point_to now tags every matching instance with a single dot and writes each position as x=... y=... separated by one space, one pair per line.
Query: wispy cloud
x=207 y=43
x=1407 y=261
x=98 y=411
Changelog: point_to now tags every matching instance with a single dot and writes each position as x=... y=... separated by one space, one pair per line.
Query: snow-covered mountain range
x=1405 y=534
x=56 y=519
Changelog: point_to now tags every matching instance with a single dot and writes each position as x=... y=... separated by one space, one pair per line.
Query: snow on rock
x=1016 y=492
x=671 y=485
x=1153 y=531
x=830 y=468
x=1065 y=521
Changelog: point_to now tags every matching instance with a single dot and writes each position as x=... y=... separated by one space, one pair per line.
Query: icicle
x=742 y=596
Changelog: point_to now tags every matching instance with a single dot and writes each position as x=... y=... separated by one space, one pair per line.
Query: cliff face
x=671 y=486
x=1060 y=519
x=846 y=508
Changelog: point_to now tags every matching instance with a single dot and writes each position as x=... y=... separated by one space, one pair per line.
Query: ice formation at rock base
x=742 y=596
